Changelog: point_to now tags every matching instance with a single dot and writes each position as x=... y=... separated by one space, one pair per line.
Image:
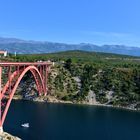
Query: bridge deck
x=24 y=63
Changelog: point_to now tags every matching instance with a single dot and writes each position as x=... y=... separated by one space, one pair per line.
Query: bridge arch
x=39 y=82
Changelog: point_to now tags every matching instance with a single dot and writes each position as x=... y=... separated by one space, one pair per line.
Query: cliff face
x=61 y=83
x=93 y=78
x=90 y=84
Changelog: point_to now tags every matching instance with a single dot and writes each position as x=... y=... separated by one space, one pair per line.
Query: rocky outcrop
x=7 y=136
x=91 y=98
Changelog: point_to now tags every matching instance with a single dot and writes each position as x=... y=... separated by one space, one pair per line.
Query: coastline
x=52 y=99
x=100 y=105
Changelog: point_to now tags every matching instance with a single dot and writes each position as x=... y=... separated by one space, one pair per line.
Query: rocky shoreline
x=95 y=104
x=52 y=99
x=7 y=136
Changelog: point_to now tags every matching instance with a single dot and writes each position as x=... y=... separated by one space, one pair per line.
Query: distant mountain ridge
x=33 y=47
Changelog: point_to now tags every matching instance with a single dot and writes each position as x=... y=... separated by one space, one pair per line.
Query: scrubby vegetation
x=112 y=79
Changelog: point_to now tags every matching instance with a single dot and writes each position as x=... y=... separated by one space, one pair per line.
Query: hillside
x=32 y=47
x=82 y=57
x=91 y=78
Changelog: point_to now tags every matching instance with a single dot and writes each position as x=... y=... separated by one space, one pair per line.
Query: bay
x=50 y=121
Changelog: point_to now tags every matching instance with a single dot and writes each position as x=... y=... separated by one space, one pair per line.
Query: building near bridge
x=3 y=53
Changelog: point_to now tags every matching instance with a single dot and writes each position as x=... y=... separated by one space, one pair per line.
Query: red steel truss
x=14 y=72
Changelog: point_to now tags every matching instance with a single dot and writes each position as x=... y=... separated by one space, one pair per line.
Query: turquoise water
x=71 y=122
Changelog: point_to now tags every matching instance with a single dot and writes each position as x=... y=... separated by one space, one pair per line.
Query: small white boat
x=25 y=125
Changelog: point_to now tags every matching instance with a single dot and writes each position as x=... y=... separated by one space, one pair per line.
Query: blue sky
x=72 y=21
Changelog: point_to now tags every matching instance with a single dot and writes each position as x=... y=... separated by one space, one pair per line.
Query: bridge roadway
x=24 y=63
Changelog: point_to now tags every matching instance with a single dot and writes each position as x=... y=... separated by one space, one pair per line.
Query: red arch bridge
x=11 y=73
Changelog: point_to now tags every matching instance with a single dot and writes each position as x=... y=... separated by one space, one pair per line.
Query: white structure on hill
x=3 y=53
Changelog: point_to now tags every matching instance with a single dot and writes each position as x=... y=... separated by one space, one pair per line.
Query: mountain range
x=19 y=46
